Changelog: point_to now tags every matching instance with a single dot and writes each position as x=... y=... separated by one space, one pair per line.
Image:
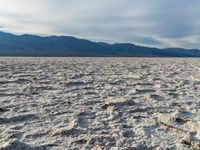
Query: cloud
x=146 y=22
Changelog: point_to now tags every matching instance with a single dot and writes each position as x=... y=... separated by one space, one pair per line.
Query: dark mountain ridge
x=61 y=46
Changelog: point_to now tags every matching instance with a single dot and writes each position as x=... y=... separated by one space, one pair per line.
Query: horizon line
x=80 y=38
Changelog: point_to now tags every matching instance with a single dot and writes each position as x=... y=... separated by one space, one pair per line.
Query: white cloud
x=147 y=22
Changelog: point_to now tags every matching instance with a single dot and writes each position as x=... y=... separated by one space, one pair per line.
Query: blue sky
x=160 y=23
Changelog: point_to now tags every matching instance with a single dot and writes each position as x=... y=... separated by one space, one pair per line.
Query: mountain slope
x=31 y=45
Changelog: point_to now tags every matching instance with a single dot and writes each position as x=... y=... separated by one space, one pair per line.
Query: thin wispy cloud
x=170 y=23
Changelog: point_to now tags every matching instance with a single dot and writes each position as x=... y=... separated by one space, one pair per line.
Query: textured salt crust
x=99 y=103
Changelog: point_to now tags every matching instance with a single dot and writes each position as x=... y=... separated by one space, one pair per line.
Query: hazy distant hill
x=30 y=45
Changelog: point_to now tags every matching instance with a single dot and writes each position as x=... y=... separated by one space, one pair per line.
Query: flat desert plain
x=99 y=103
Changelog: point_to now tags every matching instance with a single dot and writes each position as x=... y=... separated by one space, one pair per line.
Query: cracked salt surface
x=99 y=103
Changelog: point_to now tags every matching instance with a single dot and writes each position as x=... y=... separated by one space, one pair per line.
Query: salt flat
x=99 y=103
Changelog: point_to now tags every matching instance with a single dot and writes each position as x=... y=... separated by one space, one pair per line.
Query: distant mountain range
x=31 y=45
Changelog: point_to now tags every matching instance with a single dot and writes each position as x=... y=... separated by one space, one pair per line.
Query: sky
x=154 y=23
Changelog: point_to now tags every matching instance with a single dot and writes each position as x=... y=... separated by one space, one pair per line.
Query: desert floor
x=99 y=103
